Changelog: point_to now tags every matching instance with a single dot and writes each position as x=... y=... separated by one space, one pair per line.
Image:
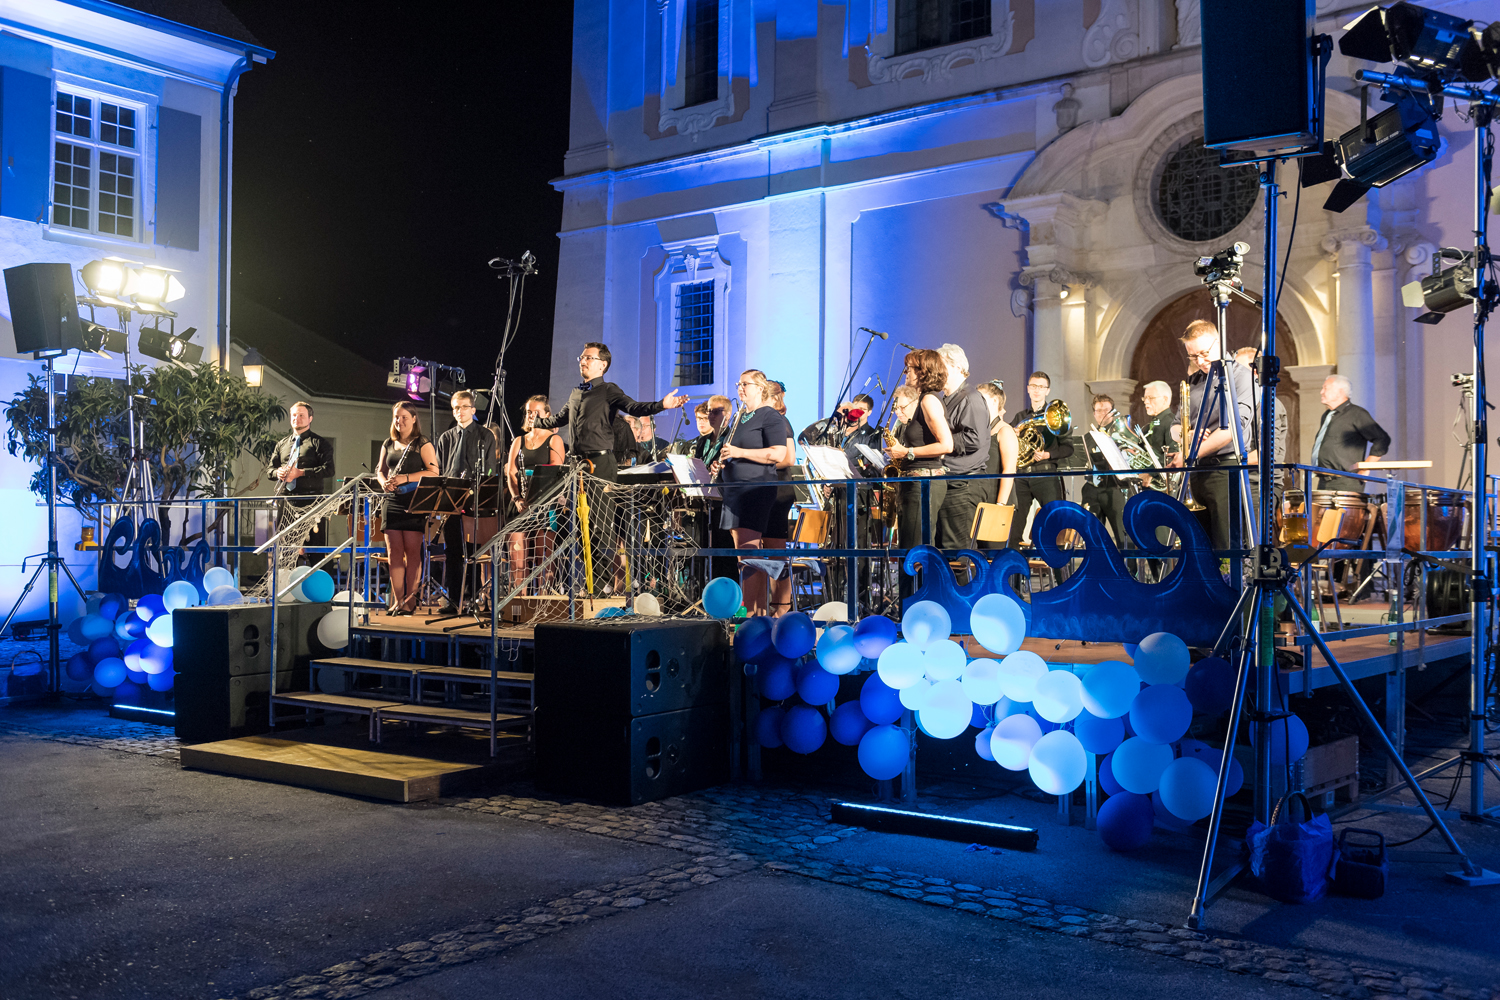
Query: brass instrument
x=1187 y=441
x=1136 y=449
x=1055 y=419
x=893 y=469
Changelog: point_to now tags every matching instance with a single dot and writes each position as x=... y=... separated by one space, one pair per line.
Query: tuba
x=1055 y=419
x=1136 y=449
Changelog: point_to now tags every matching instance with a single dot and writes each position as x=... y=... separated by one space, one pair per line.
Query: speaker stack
x=631 y=712
x=43 y=309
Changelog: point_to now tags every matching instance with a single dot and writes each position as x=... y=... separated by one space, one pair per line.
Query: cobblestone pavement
x=109 y=734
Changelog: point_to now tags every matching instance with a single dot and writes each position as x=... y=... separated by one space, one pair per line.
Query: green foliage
x=92 y=441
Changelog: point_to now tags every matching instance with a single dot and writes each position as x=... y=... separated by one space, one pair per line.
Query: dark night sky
x=385 y=155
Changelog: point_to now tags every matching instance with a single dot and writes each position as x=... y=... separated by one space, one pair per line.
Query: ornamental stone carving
x=1114 y=37
x=939 y=64
x=1189 y=27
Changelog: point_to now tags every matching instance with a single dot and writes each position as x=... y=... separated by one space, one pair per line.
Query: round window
x=1197 y=199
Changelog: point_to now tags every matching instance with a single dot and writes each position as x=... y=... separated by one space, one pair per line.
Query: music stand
x=441 y=495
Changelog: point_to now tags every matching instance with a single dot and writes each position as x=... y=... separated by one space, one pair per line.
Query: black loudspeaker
x=631 y=712
x=1260 y=79
x=43 y=309
x=222 y=656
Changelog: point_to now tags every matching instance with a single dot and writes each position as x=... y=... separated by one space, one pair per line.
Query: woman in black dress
x=924 y=439
x=404 y=459
x=777 y=523
x=747 y=466
x=534 y=448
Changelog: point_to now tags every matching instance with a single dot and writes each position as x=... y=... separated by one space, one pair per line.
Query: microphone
x=876 y=333
x=880 y=384
x=908 y=346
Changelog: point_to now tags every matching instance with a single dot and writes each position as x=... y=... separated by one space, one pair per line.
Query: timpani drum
x=1446 y=513
x=1354 y=506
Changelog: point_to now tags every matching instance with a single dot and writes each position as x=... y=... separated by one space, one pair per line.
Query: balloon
x=1109 y=688
x=215 y=577
x=794 y=635
x=873 y=634
x=1059 y=696
x=1098 y=736
x=1288 y=739
x=1012 y=741
x=998 y=623
x=1005 y=708
x=914 y=696
x=159 y=630
x=149 y=606
x=947 y=711
x=944 y=660
x=777 y=680
x=294 y=579
x=333 y=629
x=1107 y=780
x=162 y=681
x=815 y=685
x=1213 y=757
x=1125 y=821
x=109 y=672
x=127 y=692
x=642 y=604
x=924 y=623
x=180 y=594
x=848 y=724
x=803 y=729
x=1210 y=685
x=75 y=631
x=982 y=743
x=1162 y=658
x=883 y=752
x=1045 y=725
x=879 y=701
x=1161 y=713
x=93 y=627
x=112 y=606
x=1164 y=817
x=1187 y=788
x=128 y=627
x=1019 y=673
x=79 y=668
x=768 y=726
x=136 y=650
x=1058 y=762
x=156 y=659
x=833 y=611
x=101 y=649
x=752 y=638
x=220 y=596
x=981 y=680
x=721 y=598
x=836 y=650
x=900 y=665
x=345 y=597
x=610 y=612
x=135 y=676
x=1138 y=765
x=317 y=587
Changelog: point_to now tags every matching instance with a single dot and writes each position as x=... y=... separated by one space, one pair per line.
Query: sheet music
x=1111 y=451
x=690 y=470
x=875 y=458
x=829 y=463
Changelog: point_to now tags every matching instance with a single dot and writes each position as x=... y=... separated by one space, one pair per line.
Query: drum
x=1355 y=508
x=1446 y=513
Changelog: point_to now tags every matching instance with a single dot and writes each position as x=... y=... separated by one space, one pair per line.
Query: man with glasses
x=462 y=450
x=1042 y=490
x=1216 y=438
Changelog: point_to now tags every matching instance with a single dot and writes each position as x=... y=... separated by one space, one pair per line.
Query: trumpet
x=1055 y=419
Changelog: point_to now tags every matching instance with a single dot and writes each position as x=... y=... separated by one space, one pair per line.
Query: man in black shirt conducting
x=463 y=449
x=1216 y=438
x=969 y=422
x=1344 y=435
x=1054 y=448
x=588 y=414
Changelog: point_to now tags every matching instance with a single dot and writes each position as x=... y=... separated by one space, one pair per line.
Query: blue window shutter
x=25 y=143
x=179 y=166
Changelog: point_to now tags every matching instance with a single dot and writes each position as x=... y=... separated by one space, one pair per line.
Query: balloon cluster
x=126 y=650
x=315 y=586
x=779 y=653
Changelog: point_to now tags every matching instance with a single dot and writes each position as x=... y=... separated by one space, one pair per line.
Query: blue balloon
x=1107 y=780
x=1289 y=740
x=317 y=587
x=75 y=631
x=880 y=702
x=180 y=594
x=1125 y=821
x=873 y=634
x=1161 y=713
x=752 y=638
x=768 y=727
x=160 y=630
x=150 y=606
x=127 y=692
x=1187 y=788
x=815 y=685
x=848 y=724
x=982 y=743
x=836 y=650
x=721 y=598
x=109 y=672
x=80 y=667
x=980 y=716
x=111 y=606
x=101 y=649
x=1213 y=757
x=883 y=752
x=794 y=635
x=162 y=681
x=1163 y=815
x=1210 y=685
x=1047 y=726
x=803 y=729
x=777 y=680
x=156 y=659
x=1098 y=736
x=135 y=676
x=93 y=627
x=128 y=627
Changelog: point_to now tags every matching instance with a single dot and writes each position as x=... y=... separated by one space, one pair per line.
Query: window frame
x=945 y=8
x=687 y=264
x=139 y=154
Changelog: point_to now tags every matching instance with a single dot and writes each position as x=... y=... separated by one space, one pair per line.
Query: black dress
x=749 y=505
x=777 y=525
x=399 y=460
x=528 y=460
x=915 y=434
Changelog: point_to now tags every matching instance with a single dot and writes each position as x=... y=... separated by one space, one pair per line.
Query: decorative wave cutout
x=149 y=567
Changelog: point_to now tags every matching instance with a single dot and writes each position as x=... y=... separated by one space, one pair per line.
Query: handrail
x=317 y=510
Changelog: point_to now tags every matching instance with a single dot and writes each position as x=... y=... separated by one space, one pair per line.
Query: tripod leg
x=16 y=608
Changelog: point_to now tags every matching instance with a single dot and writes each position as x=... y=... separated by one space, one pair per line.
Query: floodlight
x=105 y=277
x=157 y=343
x=152 y=288
x=418 y=384
x=254 y=367
x=1428 y=41
x=1442 y=292
x=1383 y=149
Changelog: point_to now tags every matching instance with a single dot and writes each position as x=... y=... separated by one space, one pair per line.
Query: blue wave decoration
x=1100 y=601
x=150 y=567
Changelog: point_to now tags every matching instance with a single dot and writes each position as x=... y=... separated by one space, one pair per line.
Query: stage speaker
x=1260 y=78
x=44 y=309
x=631 y=712
x=223 y=660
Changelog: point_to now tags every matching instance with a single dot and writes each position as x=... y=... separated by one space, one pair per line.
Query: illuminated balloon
x=981 y=680
x=1138 y=765
x=221 y=596
x=815 y=685
x=180 y=594
x=162 y=681
x=947 y=711
x=848 y=724
x=883 y=752
x=998 y=623
x=777 y=679
x=982 y=743
x=1098 y=736
x=944 y=660
x=1161 y=713
x=92 y=627
x=1019 y=673
x=836 y=651
x=803 y=729
x=1058 y=697
x=900 y=665
x=752 y=638
x=1109 y=688
x=294 y=580
x=1058 y=762
x=768 y=727
x=75 y=631
x=215 y=577
x=156 y=659
x=79 y=668
x=1187 y=788
x=879 y=701
x=721 y=598
x=924 y=623
x=1012 y=741
x=1004 y=708
x=915 y=696
x=1107 y=780
x=1210 y=685
x=794 y=635
x=128 y=627
x=1213 y=757
x=873 y=634
x=1164 y=817
x=1125 y=821
x=112 y=606
x=109 y=672
x=101 y=649
x=149 y=606
x=136 y=650
x=159 y=630
x=1162 y=658
x=1289 y=740
x=333 y=629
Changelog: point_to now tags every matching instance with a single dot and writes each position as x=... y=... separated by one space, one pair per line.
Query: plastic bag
x=1291 y=859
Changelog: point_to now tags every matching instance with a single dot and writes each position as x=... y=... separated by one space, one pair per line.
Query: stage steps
x=391 y=777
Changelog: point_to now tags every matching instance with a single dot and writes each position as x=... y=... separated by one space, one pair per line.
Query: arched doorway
x=1159 y=353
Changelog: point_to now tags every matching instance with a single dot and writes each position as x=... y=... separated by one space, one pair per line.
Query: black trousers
x=1107 y=503
x=909 y=500
x=1211 y=489
x=956 y=516
x=1040 y=490
x=453 y=559
x=604 y=534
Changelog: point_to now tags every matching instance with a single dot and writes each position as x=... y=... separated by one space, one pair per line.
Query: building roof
x=211 y=16
x=308 y=360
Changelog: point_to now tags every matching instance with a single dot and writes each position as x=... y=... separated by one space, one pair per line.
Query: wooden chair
x=991 y=523
x=809 y=532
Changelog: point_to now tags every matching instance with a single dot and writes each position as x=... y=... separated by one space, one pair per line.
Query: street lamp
x=254 y=367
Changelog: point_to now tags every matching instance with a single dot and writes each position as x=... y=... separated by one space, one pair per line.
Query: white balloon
x=900 y=665
x=1012 y=740
x=981 y=681
x=924 y=623
x=1058 y=762
x=215 y=577
x=1162 y=658
x=915 y=696
x=942 y=720
x=296 y=576
x=1019 y=673
x=333 y=629
x=951 y=693
x=998 y=623
x=1109 y=688
x=646 y=604
x=343 y=597
x=944 y=660
x=1059 y=696
x=160 y=629
x=833 y=611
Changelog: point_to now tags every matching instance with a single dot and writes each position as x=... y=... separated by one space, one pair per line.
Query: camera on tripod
x=1222 y=266
x=1463 y=380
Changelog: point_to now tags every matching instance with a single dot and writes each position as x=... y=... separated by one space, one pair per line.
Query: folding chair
x=809 y=532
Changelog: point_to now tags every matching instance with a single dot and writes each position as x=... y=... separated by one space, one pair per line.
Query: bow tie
x=585 y=386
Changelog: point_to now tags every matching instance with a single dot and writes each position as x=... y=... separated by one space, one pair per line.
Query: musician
x=1345 y=435
x=968 y=423
x=1004 y=446
x=778 y=523
x=405 y=458
x=921 y=445
x=302 y=465
x=712 y=416
x=1162 y=427
x=535 y=447
x=1055 y=448
x=1216 y=445
x=747 y=467
x=649 y=446
x=462 y=449
x=1104 y=495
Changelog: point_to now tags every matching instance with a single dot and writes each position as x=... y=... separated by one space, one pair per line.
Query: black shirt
x=1343 y=435
x=763 y=428
x=591 y=409
x=1157 y=431
x=865 y=434
x=314 y=456
x=1200 y=385
x=461 y=449
x=968 y=422
x=916 y=434
x=1057 y=447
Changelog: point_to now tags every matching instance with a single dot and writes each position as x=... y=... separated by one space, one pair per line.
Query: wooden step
x=334 y=702
x=388 y=776
x=363 y=666
x=450 y=715
x=471 y=675
x=428 y=671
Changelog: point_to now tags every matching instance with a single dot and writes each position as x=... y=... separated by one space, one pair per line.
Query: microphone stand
x=827 y=436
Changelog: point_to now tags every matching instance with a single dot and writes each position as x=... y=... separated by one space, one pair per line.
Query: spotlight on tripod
x=1442 y=291
x=157 y=343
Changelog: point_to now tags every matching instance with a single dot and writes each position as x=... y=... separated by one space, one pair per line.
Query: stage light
x=1428 y=41
x=254 y=367
x=105 y=277
x=102 y=340
x=418 y=385
x=157 y=343
x=152 y=287
x=1383 y=149
x=1441 y=293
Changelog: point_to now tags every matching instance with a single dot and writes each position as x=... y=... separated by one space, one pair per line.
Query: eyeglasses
x=1038 y=385
x=589 y=357
x=741 y=385
x=1200 y=355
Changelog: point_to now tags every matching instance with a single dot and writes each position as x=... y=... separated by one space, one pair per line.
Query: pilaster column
x=1118 y=389
x=1309 y=379
x=1356 y=308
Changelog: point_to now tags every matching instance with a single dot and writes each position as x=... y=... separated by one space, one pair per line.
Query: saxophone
x=893 y=470
x=1186 y=443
